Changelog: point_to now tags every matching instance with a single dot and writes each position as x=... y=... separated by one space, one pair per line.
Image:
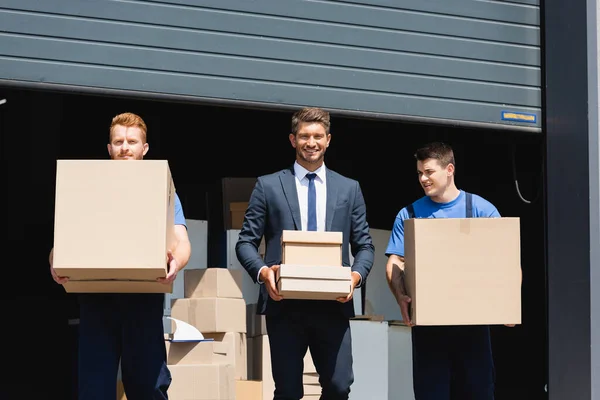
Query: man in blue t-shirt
x=127 y=327
x=449 y=362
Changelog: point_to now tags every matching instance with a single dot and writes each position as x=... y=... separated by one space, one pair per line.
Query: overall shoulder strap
x=469 y=201
x=411 y=211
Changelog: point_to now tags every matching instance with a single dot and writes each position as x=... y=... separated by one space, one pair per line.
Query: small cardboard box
x=463 y=271
x=189 y=353
x=114 y=223
x=224 y=348
x=213 y=282
x=313 y=282
x=311 y=248
x=211 y=314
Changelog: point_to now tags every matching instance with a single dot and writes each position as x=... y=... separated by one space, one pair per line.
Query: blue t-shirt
x=179 y=217
x=427 y=208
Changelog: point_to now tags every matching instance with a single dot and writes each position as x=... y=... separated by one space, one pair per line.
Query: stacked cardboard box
x=311 y=266
x=213 y=369
x=311 y=269
x=228 y=202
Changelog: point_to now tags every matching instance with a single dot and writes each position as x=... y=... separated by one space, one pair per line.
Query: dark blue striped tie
x=312 y=203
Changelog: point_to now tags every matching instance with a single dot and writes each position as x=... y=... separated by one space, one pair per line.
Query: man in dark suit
x=306 y=196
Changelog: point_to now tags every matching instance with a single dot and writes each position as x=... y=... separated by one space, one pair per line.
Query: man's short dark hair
x=437 y=151
x=310 y=115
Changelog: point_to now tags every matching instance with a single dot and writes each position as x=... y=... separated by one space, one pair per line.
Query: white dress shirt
x=321 y=190
x=302 y=190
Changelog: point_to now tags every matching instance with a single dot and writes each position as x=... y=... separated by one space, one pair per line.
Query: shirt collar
x=301 y=172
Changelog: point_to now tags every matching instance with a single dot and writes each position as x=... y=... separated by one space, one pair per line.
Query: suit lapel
x=331 y=199
x=288 y=182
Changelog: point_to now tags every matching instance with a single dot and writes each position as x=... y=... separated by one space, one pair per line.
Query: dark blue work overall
x=125 y=327
x=452 y=362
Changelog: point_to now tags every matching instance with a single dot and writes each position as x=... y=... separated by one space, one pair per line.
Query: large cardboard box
x=311 y=248
x=113 y=225
x=313 y=282
x=463 y=271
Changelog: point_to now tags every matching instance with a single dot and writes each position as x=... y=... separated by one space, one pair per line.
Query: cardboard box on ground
x=235 y=364
x=188 y=362
x=213 y=302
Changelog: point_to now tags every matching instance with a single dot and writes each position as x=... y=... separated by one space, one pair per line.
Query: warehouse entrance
x=205 y=143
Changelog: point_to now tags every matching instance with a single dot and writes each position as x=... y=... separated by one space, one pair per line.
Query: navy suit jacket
x=273 y=208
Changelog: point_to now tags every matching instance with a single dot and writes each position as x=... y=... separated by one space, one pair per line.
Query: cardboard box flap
x=311 y=237
x=314 y=272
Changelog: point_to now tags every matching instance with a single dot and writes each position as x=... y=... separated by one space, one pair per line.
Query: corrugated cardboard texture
x=463 y=271
x=113 y=220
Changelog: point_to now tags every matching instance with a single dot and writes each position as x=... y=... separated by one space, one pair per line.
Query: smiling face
x=311 y=142
x=310 y=136
x=434 y=178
